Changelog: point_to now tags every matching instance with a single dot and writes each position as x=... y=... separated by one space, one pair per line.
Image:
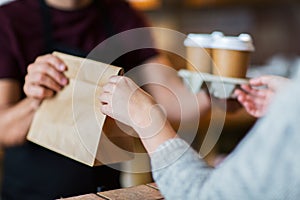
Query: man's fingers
x=38 y=92
x=43 y=80
x=57 y=63
x=44 y=68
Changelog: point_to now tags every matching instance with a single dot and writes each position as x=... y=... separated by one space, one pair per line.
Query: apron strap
x=107 y=25
x=47 y=27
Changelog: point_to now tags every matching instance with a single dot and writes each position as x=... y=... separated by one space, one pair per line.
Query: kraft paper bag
x=71 y=122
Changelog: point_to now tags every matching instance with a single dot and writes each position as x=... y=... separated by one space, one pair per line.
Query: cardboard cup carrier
x=220 y=61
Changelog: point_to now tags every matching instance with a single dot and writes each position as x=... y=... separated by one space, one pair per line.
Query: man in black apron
x=44 y=174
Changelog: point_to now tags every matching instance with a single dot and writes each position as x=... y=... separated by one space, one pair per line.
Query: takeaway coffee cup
x=199 y=52
x=231 y=55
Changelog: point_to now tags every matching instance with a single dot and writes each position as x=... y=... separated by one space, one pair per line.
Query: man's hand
x=45 y=77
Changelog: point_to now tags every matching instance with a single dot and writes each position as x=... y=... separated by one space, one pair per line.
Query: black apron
x=35 y=173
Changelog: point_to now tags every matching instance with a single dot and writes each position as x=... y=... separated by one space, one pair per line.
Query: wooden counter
x=145 y=192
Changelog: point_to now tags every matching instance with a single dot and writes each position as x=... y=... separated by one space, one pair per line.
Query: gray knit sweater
x=265 y=165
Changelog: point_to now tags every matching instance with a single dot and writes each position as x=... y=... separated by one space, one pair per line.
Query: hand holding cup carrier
x=221 y=60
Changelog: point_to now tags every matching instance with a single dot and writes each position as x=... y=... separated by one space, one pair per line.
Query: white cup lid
x=202 y=40
x=243 y=42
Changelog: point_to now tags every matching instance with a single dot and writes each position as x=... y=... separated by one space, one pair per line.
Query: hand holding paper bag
x=71 y=122
x=45 y=77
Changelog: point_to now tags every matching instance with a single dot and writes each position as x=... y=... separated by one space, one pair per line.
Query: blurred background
x=274 y=25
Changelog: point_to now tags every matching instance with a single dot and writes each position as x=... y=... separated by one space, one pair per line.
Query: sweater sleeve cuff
x=167 y=153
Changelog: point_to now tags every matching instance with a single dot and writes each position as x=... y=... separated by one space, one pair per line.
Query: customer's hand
x=256 y=100
x=45 y=77
x=124 y=101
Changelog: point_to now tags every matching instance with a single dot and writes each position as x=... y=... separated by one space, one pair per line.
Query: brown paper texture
x=71 y=122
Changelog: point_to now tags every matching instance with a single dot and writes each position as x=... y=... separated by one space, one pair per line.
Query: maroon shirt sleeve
x=8 y=62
